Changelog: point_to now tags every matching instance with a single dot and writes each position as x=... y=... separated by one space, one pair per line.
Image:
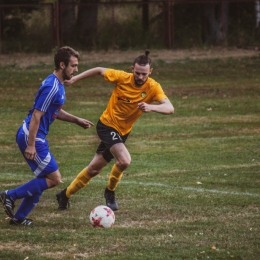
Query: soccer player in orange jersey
x=133 y=94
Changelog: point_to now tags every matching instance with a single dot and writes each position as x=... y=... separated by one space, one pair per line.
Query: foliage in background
x=122 y=25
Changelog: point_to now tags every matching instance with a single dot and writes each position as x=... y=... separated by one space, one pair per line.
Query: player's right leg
x=81 y=181
x=8 y=203
x=31 y=192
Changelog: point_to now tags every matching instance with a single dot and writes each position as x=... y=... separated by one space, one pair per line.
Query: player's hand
x=69 y=82
x=84 y=123
x=30 y=153
x=144 y=107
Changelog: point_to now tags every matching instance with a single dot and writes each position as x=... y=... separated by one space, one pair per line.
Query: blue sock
x=26 y=206
x=31 y=192
x=35 y=186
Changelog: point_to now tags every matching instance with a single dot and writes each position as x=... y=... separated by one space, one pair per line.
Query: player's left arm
x=65 y=116
x=164 y=107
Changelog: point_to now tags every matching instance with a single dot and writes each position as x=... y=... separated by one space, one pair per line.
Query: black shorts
x=108 y=136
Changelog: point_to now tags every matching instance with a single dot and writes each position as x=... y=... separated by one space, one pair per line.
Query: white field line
x=191 y=188
x=157 y=184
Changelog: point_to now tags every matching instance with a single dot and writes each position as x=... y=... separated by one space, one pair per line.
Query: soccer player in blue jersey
x=31 y=138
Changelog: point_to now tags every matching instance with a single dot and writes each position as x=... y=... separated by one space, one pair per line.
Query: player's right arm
x=86 y=74
x=30 y=151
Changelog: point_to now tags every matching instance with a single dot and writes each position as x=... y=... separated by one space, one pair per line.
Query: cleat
x=8 y=204
x=111 y=199
x=63 y=200
x=22 y=222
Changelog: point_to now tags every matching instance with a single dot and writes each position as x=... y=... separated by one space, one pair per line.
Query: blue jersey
x=49 y=99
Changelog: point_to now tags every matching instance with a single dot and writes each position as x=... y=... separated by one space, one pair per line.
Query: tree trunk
x=145 y=15
x=257 y=14
x=68 y=20
x=214 y=23
x=87 y=22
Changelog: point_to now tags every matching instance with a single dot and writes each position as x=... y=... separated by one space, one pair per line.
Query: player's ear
x=151 y=69
x=62 y=65
x=132 y=68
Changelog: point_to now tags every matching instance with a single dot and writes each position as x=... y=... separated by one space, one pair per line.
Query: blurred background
x=92 y=25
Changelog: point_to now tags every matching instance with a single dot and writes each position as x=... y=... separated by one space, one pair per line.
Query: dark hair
x=63 y=55
x=143 y=60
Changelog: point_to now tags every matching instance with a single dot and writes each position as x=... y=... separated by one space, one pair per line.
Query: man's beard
x=65 y=76
x=139 y=84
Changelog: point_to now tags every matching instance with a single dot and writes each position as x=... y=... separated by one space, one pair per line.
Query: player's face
x=71 y=69
x=141 y=73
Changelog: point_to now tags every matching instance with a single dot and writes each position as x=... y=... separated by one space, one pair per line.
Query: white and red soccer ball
x=102 y=216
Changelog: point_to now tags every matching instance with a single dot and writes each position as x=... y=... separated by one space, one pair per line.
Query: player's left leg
x=122 y=161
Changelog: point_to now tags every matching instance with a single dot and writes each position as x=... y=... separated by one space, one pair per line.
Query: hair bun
x=147 y=53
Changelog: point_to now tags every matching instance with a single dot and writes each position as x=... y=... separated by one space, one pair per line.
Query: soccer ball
x=102 y=216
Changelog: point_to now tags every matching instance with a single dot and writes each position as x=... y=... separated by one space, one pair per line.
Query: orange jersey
x=122 y=111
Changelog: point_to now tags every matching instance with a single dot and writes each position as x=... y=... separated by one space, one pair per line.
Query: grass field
x=192 y=190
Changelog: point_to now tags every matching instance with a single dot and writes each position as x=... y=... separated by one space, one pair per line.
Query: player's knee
x=123 y=164
x=92 y=172
x=53 y=181
x=56 y=181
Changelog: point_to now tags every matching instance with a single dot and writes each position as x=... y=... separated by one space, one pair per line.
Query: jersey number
x=115 y=136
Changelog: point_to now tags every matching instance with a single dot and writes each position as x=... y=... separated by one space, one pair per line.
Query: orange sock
x=80 y=182
x=114 y=178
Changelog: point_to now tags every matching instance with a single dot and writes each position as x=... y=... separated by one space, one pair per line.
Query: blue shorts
x=44 y=163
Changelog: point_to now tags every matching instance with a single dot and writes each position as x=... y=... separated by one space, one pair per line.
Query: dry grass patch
x=21 y=247
x=24 y=60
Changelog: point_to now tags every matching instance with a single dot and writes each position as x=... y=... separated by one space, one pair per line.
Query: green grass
x=192 y=190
